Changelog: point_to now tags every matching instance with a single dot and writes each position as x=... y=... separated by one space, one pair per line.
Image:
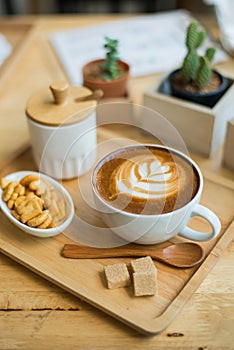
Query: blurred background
x=24 y=7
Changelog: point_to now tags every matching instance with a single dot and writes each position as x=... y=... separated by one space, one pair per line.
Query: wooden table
x=38 y=315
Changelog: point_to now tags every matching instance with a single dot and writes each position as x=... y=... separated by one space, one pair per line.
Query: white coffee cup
x=156 y=228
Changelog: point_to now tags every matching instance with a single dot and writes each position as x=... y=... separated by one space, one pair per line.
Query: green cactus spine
x=109 y=65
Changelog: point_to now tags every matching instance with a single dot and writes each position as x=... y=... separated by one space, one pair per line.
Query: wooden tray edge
x=198 y=277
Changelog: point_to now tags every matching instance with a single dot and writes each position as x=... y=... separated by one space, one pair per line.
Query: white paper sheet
x=5 y=48
x=149 y=43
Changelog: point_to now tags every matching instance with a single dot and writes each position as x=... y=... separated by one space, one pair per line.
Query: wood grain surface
x=35 y=314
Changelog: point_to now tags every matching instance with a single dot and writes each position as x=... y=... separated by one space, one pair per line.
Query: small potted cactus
x=110 y=74
x=196 y=81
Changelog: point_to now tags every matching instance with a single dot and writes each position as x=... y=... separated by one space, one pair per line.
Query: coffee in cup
x=146 y=180
x=147 y=194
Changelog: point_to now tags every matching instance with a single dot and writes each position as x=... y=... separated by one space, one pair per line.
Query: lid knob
x=59 y=90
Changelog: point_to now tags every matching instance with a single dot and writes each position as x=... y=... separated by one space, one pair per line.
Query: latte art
x=146 y=177
x=146 y=180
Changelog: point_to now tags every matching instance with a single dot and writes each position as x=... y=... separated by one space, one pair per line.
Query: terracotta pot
x=206 y=99
x=110 y=88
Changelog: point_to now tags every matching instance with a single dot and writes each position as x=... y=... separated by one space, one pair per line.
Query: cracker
x=10 y=203
x=20 y=200
x=30 y=211
x=15 y=214
x=8 y=191
x=45 y=224
x=14 y=196
x=39 y=219
x=25 y=181
x=20 y=190
x=34 y=185
x=4 y=182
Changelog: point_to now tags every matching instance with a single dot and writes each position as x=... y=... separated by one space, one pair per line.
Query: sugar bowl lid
x=62 y=104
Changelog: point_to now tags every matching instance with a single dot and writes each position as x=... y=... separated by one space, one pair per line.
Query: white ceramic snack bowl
x=48 y=232
x=152 y=229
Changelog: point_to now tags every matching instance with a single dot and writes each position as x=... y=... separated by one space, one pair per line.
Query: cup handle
x=207 y=214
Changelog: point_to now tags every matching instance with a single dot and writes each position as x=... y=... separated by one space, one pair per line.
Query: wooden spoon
x=180 y=255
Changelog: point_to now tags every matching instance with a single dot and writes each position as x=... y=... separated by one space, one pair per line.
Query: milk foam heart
x=146 y=176
x=146 y=180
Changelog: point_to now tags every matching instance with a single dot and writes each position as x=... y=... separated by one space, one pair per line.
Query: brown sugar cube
x=143 y=265
x=117 y=275
x=144 y=283
x=144 y=276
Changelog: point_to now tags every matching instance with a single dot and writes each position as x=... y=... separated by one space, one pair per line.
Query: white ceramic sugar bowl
x=62 y=126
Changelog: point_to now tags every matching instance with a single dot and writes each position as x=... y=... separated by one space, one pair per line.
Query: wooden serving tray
x=19 y=35
x=84 y=278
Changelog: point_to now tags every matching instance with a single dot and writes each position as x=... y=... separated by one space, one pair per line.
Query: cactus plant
x=196 y=81
x=109 y=65
x=109 y=74
x=197 y=68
